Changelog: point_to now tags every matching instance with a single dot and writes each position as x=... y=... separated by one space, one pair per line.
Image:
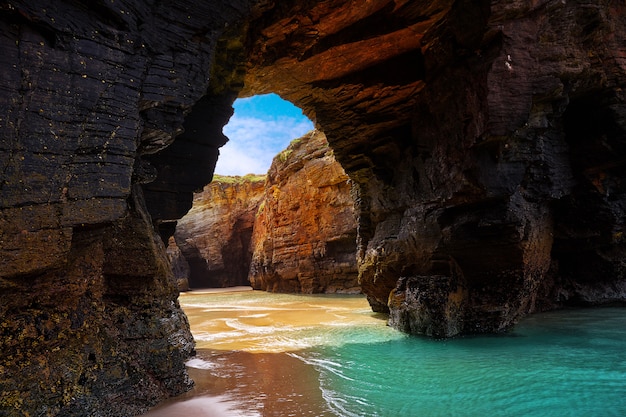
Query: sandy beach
x=247 y=361
x=243 y=384
x=200 y=406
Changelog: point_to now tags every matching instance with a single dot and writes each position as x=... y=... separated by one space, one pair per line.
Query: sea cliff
x=293 y=230
x=214 y=236
x=484 y=141
x=304 y=236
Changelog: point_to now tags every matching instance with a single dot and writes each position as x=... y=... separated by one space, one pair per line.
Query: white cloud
x=254 y=142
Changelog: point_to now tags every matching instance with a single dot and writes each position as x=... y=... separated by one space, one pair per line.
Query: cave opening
x=260 y=128
x=112 y=117
x=278 y=214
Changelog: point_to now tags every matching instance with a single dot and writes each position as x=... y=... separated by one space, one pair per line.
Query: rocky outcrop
x=214 y=237
x=91 y=92
x=484 y=139
x=179 y=264
x=294 y=232
x=77 y=339
x=305 y=232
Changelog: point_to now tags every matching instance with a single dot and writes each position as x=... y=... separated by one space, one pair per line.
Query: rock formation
x=179 y=264
x=214 y=237
x=305 y=232
x=91 y=92
x=485 y=141
x=294 y=233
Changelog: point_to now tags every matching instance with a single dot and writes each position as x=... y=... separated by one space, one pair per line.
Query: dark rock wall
x=91 y=92
x=485 y=140
x=76 y=340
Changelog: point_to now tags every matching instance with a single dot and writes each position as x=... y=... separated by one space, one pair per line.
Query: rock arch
x=459 y=120
x=455 y=121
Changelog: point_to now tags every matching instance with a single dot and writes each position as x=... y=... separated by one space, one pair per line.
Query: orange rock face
x=294 y=232
x=305 y=232
x=214 y=237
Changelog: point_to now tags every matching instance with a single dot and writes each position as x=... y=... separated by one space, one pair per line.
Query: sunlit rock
x=305 y=230
x=214 y=237
x=484 y=135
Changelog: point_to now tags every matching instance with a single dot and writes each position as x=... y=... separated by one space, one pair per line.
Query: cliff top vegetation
x=237 y=179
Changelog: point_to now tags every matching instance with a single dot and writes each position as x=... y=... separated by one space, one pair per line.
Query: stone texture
x=214 y=237
x=431 y=305
x=90 y=93
x=484 y=139
x=486 y=145
x=294 y=233
x=76 y=340
x=304 y=237
x=179 y=264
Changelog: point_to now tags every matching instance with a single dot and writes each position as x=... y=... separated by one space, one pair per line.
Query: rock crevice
x=215 y=235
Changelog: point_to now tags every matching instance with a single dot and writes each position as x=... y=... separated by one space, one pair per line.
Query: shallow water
x=262 y=354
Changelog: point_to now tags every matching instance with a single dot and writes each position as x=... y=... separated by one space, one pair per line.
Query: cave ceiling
x=484 y=140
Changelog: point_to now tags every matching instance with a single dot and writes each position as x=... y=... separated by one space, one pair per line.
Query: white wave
x=252 y=329
x=255 y=316
x=337 y=404
x=211 y=337
x=283 y=344
x=324 y=364
x=200 y=364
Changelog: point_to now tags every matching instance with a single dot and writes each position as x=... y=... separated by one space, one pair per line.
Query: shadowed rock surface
x=304 y=237
x=485 y=141
x=215 y=235
x=180 y=266
x=89 y=319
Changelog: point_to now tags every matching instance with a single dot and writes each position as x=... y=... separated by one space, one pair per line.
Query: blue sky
x=261 y=127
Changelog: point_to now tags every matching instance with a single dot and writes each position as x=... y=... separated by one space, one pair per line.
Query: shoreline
x=197 y=291
x=244 y=384
x=209 y=405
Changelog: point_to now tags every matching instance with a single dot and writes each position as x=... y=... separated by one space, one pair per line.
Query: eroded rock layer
x=215 y=235
x=89 y=319
x=485 y=141
x=179 y=264
x=305 y=232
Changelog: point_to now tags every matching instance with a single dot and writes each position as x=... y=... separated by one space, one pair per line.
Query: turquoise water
x=567 y=363
x=279 y=355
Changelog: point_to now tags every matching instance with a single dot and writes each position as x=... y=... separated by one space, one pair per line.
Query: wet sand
x=247 y=384
x=247 y=362
x=197 y=291
x=199 y=406
x=262 y=322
